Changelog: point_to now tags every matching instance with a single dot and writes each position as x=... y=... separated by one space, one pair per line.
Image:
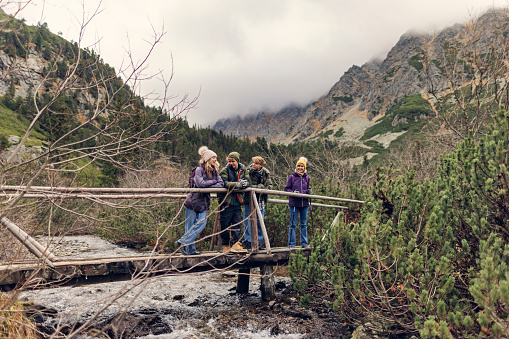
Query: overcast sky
x=243 y=57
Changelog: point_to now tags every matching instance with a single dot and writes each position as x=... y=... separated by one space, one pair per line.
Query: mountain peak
x=364 y=93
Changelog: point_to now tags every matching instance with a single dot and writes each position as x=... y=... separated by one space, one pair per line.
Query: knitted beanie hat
x=303 y=161
x=234 y=155
x=205 y=153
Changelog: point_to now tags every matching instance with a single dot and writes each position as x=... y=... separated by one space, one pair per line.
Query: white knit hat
x=205 y=153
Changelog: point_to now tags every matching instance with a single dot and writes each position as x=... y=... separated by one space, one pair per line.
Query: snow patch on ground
x=386 y=138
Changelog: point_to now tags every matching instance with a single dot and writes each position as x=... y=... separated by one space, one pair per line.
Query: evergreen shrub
x=428 y=258
x=474 y=200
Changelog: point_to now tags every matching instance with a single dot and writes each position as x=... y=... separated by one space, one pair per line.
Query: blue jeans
x=301 y=212
x=195 y=223
x=247 y=225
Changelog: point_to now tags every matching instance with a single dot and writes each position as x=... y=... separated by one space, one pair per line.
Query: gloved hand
x=244 y=183
x=213 y=181
x=309 y=191
x=241 y=183
x=296 y=191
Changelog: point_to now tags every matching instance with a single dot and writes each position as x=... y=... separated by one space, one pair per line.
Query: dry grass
x=14 y=323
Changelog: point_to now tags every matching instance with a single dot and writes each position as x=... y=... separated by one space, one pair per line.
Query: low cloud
x=246 y=57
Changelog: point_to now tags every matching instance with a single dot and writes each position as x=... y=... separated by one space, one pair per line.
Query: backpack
x=191 y=177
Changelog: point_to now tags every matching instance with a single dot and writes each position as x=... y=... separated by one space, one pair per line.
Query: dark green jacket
x=258 y=181
x=230 y=177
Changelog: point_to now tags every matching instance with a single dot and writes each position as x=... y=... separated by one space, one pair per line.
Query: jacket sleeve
x=268 y=183
x=224 y=175
x=203 y=181
x=289 y=184
x=247 y=177
x=219 y=182
x=198 y=178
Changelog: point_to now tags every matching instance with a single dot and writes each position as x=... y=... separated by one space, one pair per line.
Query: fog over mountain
x=365 y=94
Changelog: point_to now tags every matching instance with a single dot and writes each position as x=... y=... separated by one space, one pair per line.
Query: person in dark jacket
x=298 y=182
x=260 y=178
x=234 y=175
x=206 y=176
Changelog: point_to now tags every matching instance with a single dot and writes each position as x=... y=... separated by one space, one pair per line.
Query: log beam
x=243 y=280
x=268 y=284
x=33 y=246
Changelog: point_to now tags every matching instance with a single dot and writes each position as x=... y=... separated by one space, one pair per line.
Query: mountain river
x=202 y=305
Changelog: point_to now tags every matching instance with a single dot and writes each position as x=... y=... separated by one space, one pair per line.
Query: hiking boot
x=195 y=253
x=226 y=248
x=181 y=248
x=237 y=248
x=247 y=246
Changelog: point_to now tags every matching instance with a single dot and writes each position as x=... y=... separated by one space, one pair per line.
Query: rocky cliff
x=364 y=94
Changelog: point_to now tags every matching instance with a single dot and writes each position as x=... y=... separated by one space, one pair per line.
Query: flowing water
x=201 y=305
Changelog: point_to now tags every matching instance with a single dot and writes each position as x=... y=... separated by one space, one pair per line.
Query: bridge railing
x=98 y=193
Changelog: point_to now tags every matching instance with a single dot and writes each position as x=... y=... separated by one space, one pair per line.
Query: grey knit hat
x=205 y=153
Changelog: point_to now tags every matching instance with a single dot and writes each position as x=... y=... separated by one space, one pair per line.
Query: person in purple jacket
x=197 y=204
x=298 y=182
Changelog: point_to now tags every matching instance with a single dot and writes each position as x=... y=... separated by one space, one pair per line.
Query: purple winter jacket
x=200 y=202
x=299 y=183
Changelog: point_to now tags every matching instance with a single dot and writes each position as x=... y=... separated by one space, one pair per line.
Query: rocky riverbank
x=192 y=306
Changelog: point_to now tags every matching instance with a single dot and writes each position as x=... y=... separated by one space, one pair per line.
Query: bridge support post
x=253 y=222
x=268 y=285
x=243 y=280
x=262 y=225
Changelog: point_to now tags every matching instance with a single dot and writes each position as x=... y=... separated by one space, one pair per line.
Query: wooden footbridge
x=49 y=269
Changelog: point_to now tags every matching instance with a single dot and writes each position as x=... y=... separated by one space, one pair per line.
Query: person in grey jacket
x=260 y=178
x=205 y=176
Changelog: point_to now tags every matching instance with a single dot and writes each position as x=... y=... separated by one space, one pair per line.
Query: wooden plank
x=163 y=190
x=67 y=196
x=144 y=265
x=314 y=204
